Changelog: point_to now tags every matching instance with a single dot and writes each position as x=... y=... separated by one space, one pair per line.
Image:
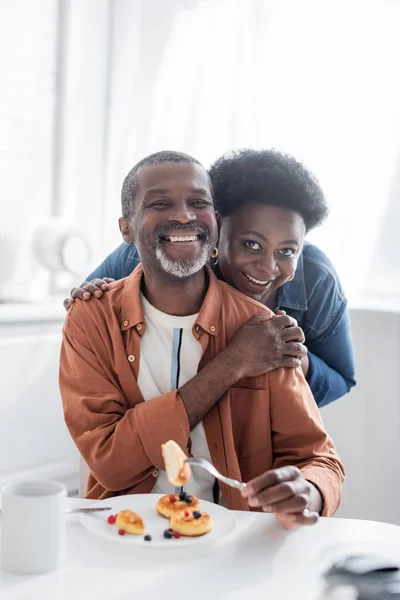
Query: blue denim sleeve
x=331 y=371
x=118 y=264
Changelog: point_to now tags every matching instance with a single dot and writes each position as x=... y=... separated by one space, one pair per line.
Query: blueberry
x=147 y=538
x=182 y=496
x=168 y=534
x=196 y=514
x=188 y=499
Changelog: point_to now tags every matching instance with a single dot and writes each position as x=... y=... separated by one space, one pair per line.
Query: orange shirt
x=261 y=423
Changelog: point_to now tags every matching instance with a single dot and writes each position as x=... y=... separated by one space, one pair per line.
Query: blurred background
x=89 y=87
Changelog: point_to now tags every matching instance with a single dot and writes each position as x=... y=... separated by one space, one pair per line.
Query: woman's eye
x=252 y=245
x=287 y=252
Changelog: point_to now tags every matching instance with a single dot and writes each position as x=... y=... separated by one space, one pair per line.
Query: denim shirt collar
x=293 y=293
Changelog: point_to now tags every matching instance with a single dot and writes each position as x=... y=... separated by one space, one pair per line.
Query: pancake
x=189 y=526
x=130 y=522
x=178 y=472
x=167 y=507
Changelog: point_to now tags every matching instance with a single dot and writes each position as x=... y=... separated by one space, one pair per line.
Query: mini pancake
x=189 y=526
x=178 y=472
x=167 y=507
x=130 y=522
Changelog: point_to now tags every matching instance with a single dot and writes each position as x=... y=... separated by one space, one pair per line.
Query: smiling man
x=171 y=353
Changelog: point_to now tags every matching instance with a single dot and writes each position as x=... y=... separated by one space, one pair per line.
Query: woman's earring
x=214 y=255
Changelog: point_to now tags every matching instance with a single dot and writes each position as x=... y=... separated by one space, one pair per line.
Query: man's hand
x=286 y=493
x=264 y=344
x=87 y=289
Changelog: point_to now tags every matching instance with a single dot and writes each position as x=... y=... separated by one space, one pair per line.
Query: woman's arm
x=331 y=372
x=118 y=264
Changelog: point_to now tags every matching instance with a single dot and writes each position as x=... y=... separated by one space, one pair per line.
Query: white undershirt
x=169 y=357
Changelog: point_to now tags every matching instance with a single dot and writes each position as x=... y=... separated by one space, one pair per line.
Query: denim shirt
x=314 y=298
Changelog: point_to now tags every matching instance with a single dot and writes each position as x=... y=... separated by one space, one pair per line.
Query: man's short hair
x=267 y=177
x=129 y=187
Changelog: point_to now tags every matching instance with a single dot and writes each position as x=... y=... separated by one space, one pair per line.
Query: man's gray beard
x=182 y=268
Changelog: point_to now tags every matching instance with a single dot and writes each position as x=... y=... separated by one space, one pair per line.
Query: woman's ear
x=126 y=230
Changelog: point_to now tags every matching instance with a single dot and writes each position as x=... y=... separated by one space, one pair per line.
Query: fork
x=204 y=464
x=84 y=510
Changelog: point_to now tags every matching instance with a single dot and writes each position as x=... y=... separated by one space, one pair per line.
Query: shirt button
x=332 y=450
x=139 y=326
x=212 y=328
x=155 y=473
x=126 y=323
x=86 y=432
x=131 y=358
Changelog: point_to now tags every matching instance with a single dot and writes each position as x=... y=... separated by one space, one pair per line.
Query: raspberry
x=121 y=531
x=176 y=535
x=111 y=520
x=186 y=513
x=172 y=499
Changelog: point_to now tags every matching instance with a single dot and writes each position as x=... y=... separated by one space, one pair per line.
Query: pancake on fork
x=178 y=472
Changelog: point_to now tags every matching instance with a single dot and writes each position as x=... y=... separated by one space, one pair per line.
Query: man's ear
x=126 y=230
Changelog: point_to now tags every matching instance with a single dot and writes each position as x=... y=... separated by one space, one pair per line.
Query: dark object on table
x=373 y=577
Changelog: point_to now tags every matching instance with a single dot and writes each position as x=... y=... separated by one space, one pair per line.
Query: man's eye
x=200 y=202
x=252 y=245
x=287 y=252
x=159 y=204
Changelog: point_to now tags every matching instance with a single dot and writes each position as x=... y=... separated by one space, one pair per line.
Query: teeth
x=187 y=238
x=256 y=280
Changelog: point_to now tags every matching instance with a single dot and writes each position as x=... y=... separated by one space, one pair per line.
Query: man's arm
x=299 y=437
x=205 y=389
x=120 y=444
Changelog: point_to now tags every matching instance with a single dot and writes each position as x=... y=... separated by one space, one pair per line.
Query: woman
x=267 y=202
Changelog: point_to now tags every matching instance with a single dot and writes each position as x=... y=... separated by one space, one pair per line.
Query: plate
x=145 y=505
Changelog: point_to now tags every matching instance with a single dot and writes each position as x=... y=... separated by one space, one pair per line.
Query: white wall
x=365 y=425
x=34 y=441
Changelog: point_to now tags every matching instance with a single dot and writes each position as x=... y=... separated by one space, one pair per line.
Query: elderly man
x=170 y=353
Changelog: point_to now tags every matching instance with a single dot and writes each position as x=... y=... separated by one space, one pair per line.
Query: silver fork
x=204 y=464
x=84 y=510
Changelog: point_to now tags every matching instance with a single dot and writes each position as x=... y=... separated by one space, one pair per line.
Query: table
x=264 y=562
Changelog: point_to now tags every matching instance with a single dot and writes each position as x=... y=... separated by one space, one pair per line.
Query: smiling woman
x=259 y=249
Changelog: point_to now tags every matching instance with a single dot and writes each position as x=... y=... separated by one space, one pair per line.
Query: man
x=151 y=361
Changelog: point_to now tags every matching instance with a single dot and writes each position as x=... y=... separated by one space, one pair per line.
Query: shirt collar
x=132 y=311
x=293 y=293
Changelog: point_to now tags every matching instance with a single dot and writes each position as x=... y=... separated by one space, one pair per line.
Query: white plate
x=145 y=505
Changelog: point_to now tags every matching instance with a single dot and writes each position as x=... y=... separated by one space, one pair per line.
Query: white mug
x=32 y=526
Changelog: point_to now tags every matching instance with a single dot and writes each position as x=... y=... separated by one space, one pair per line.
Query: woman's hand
x=87 y=290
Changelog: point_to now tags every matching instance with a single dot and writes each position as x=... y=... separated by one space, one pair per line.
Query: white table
x=264 y=562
